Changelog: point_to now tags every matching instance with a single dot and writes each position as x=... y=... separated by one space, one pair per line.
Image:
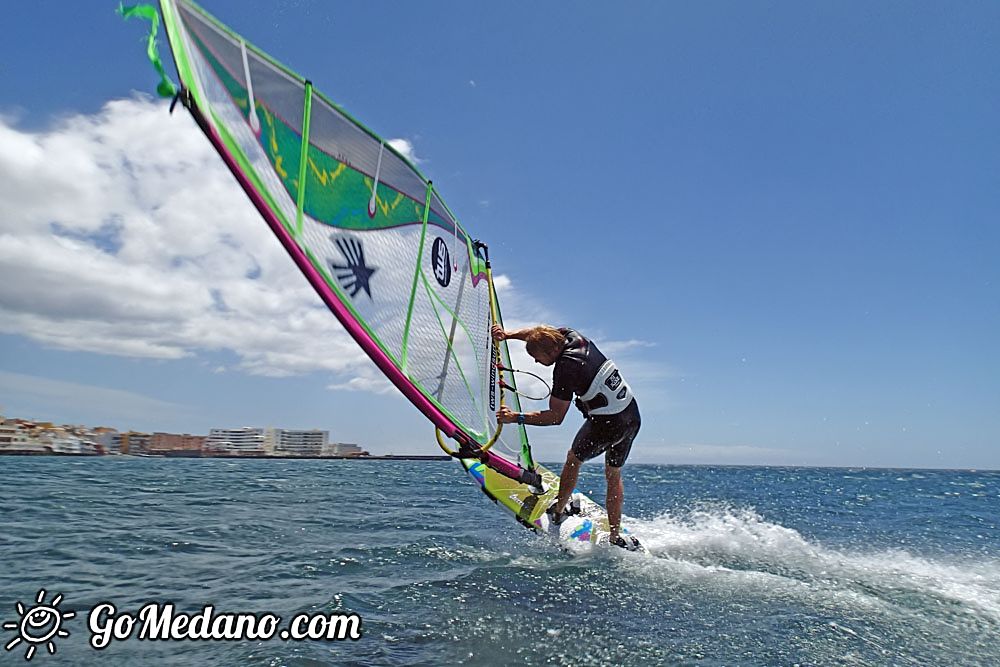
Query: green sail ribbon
x=166 y=87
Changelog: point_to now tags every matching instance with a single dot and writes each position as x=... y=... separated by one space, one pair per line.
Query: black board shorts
x=612 y=434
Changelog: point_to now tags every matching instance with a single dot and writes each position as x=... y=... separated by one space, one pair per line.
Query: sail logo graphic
x=38 y=626
x=493 y=376
x=441 y=262
x=355 y=275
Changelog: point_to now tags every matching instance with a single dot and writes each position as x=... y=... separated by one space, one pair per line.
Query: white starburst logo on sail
x=39 y=625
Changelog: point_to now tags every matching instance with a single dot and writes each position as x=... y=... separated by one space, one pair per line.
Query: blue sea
x=748 y=565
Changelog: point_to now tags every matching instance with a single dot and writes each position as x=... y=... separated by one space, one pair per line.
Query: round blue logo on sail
x=441 y=262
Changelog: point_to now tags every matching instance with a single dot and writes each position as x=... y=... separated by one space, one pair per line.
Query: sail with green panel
x=368 y=230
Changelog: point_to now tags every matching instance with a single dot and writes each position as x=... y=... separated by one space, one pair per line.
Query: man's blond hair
x=543 y=338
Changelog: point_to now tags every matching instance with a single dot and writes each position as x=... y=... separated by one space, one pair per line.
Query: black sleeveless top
x=582 y=369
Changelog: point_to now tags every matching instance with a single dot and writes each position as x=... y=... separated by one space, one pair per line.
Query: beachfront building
x=64 y=442
x=11 y=434
x=246 y=441
x=132 y=442
x=68 y=440
x=293 y=442
x=173 y=444
x=15 y=438
x=20 y=436
x=106 y=439
x=347 y=449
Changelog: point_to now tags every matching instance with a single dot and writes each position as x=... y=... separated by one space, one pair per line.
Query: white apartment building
x=246 y=441
x=347 y=449
x=14 y=439
x=297 y=442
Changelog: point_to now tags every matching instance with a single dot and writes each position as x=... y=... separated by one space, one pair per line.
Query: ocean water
x=748 y=566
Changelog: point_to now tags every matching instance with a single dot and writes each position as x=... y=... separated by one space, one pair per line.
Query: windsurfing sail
x=369 y=232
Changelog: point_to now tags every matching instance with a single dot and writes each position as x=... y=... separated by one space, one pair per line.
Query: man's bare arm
x=551 y=416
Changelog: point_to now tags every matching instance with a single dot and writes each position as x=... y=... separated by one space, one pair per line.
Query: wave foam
x=723 y=547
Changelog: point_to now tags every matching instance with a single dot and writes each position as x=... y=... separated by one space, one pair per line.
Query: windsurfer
x=604 y=398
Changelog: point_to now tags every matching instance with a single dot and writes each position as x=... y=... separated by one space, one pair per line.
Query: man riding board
x=606 y=401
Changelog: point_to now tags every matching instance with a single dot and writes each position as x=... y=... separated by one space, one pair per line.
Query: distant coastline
x=357 y=457
x=200 y=455
x=24 y=437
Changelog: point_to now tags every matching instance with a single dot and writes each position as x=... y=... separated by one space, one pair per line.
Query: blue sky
x=780 y=218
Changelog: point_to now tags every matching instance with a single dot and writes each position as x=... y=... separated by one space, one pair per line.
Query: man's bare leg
x=567 y=481
x=616 y=492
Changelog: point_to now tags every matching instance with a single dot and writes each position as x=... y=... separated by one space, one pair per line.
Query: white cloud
x=370 y=381
x=405 y=148
x=625 y=346
x=520 y=307
x=122 y=233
